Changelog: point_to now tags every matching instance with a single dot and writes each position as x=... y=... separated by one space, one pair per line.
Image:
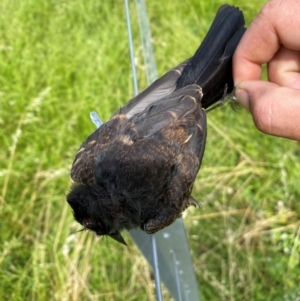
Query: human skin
x=273 y=38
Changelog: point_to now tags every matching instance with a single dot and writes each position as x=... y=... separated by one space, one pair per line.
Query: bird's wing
x=157 y=90
x=177 y=119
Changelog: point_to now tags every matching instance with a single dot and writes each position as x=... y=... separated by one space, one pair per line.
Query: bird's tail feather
x=210 y=67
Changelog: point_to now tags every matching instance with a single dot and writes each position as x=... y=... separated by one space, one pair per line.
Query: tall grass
x=61 y=59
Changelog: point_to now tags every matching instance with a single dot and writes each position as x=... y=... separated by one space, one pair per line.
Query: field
x=59 y=60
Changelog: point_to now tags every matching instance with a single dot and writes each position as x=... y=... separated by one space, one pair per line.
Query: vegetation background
x=59 y=60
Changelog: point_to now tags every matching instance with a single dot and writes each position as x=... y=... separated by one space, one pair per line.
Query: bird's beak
x=118 y=237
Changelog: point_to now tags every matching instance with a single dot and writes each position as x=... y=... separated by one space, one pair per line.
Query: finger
x=284 y=68
x=275 y=110
x=258 y=45
x=276 y=24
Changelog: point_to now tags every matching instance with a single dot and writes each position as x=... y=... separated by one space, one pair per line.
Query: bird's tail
x=210 y=67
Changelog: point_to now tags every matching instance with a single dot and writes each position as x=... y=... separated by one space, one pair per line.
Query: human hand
x=272 y=38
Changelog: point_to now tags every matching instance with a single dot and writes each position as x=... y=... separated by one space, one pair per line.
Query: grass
x=61 y=59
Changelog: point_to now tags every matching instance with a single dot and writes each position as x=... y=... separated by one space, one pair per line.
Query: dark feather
x=138 y=168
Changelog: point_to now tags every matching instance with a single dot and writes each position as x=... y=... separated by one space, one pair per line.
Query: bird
x=137 y=169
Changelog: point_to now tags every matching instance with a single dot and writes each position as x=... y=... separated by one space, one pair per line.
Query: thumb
x=275 y=110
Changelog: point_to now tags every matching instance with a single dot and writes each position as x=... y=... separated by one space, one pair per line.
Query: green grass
x=61 y=59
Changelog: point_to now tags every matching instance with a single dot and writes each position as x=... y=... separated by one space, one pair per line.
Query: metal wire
x=131 y=49
x=156 y=268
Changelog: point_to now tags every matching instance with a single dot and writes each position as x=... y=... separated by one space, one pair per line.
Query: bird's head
x=95 y=211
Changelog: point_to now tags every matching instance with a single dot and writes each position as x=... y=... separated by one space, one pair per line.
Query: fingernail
x=242 y=97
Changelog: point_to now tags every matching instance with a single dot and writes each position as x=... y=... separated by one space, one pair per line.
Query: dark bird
x=138 y=168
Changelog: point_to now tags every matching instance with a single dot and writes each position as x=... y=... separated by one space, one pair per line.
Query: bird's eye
x=87 y=223
x=93 y=226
